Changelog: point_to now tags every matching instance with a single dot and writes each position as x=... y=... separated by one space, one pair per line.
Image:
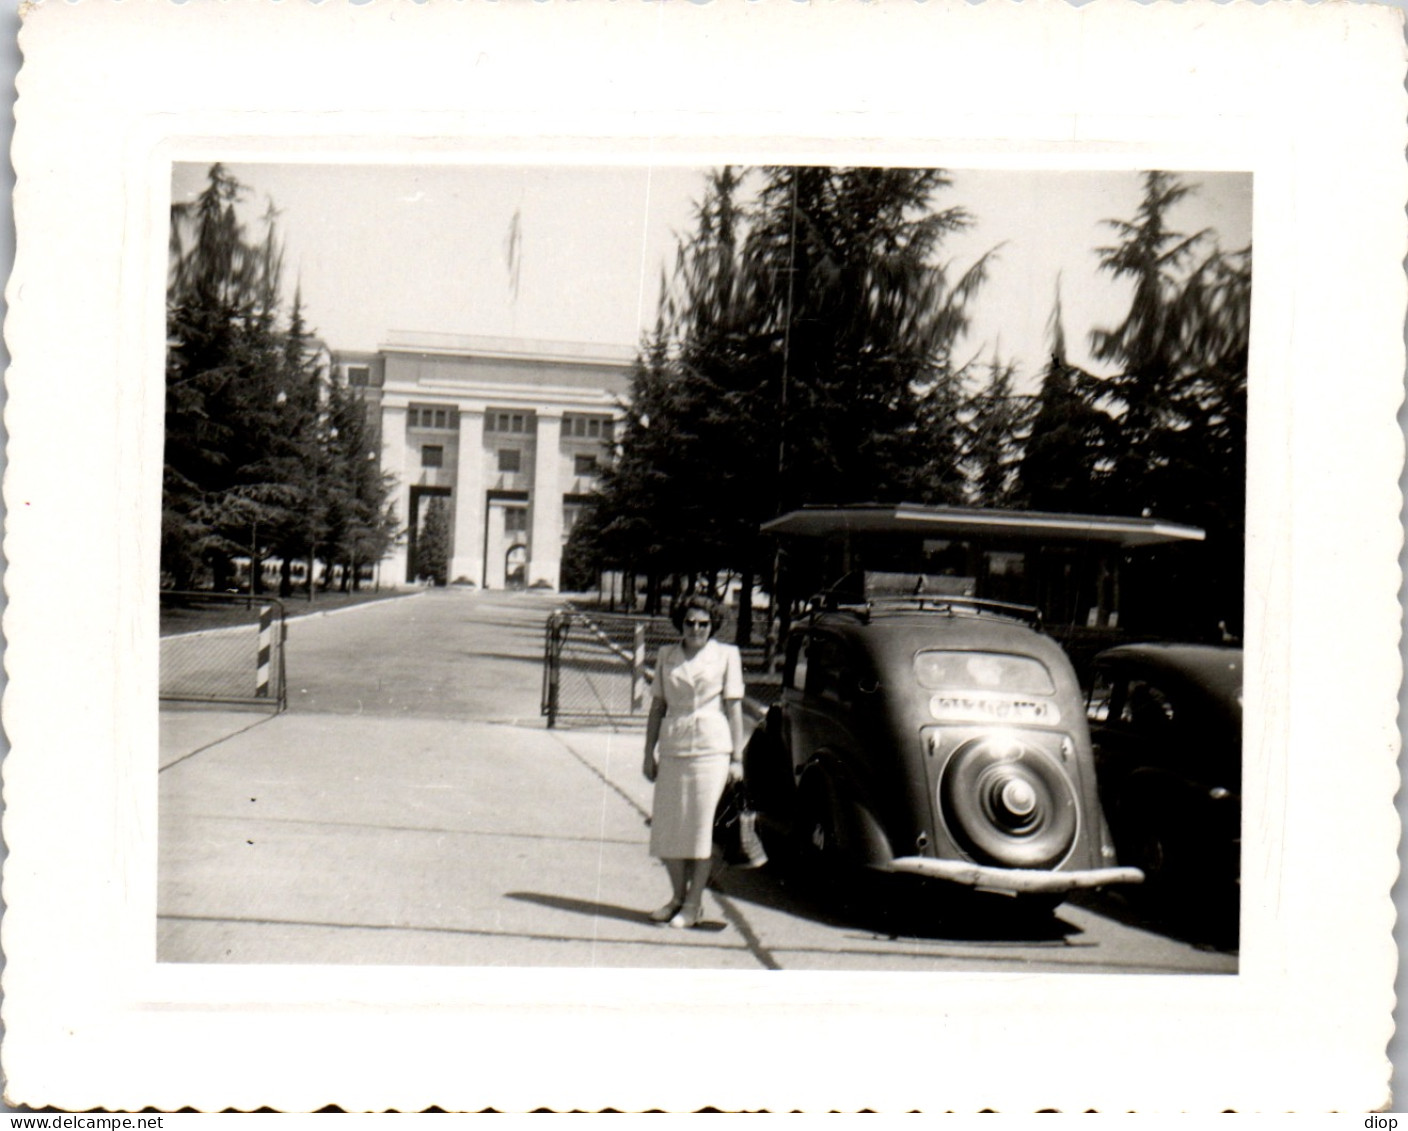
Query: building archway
x=516 y=566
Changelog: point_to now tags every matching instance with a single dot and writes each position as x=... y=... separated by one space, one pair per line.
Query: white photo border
x=1309 y=100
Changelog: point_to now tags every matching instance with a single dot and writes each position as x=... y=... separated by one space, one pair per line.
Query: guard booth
x=1075 y=569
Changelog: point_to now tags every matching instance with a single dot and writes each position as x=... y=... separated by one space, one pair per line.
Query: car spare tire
x=1009 y=803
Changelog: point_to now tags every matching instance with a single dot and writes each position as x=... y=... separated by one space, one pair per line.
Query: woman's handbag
x=736 y=829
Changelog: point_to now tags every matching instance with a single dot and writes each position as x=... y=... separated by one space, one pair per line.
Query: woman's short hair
x=704 y=604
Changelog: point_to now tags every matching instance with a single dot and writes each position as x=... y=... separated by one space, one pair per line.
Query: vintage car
x=936 y=735
x=1166 y=722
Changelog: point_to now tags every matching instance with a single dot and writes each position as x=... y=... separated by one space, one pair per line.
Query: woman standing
x=696 y=716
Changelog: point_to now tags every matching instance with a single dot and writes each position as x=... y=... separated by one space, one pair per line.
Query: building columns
x=393 y=460
x=545 y=544
x=467 y=554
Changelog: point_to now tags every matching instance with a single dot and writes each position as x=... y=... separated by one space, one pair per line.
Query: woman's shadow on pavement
x=892 y=909
x=597 y=910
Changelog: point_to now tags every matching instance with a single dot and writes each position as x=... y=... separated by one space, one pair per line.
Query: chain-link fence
x=238 y=658
x=598 y=665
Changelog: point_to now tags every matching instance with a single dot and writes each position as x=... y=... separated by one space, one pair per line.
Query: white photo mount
x=1308 y=99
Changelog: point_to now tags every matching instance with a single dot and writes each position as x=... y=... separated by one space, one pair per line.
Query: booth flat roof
x=912 y=518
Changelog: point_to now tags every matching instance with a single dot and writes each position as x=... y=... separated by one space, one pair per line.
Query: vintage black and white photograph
x=746 y=567
x=794 y=557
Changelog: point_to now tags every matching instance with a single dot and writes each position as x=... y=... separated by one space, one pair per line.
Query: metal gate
x=223 y=648
x=595 y=665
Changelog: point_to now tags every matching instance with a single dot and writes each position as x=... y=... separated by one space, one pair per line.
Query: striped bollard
x=261 y=671
x=638 y=669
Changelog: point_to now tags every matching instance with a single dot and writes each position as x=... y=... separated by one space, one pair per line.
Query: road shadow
x=619 y=723
x=895 y=907
x=603 y=910
x=531 y=661
x=1208 y=927
x=190 y=729
x=523 y=627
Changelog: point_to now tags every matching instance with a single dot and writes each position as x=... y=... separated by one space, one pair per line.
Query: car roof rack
x=867 y=609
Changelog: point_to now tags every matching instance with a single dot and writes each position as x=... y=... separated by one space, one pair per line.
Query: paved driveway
x=412 y=808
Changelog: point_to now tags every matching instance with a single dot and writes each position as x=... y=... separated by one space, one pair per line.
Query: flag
x=513 y=250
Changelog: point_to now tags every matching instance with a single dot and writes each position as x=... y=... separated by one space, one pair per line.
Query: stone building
x=511 y=433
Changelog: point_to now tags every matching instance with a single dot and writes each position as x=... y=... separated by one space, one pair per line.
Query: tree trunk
x=286 y=578
x=743 y=633
x=782 y=599
x=220 y=573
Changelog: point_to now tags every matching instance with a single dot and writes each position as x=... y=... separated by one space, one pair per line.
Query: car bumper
x=1013 y=881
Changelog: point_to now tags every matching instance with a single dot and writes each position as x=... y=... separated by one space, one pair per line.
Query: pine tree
x=222 y=396
x=433 y=546
x=997 y=420
x=802 y=355
x=1065 y=464
x=1176 y=446
x=852 y=291
x=264 y=456
x=361 y=519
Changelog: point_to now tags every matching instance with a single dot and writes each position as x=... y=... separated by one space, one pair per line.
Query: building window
x=432 y=455
x=515 y=520
x=584 y=465
x=587 y=427
x=510 y=459
x=359 y=375
x=520 y=423
x=428 y=416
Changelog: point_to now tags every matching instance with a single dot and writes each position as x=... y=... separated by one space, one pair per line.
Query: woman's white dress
x=695 y=746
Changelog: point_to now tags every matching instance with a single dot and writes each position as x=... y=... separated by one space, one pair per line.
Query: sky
x=377 y=249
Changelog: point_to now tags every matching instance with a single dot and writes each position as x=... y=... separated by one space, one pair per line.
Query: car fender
x=861 y=837
x=1186 y=804
x=767 y=766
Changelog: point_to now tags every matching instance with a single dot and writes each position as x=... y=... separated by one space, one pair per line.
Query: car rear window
x=982 y=671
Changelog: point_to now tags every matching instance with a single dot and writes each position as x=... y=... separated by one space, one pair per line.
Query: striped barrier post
x=261 y=671
x=283 y=651
x=637 y=669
